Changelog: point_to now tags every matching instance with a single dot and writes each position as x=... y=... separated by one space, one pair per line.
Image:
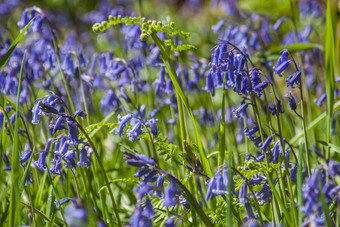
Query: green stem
x=115 y=209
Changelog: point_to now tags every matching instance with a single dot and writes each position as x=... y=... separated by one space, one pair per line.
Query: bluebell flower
x=259 y=88
x=278 y=24
x=122 y=123
x=61 y=202
x=84 y=158
x=283 y=66
x=75 y=215
x=59 y=125
x=276 y=152
x=138 y=160
x=67 y=65
x=148 y=210
x=143 y=190
x=170 y=222
x=73 y=132
x=152 y=123
x=26 y=154
x=241 y=110
x=159 y=186
x=170 y=195
x=243 y=193
x=209 y=85
x=293 y=79
x=333 y=168
x=293 y=172
x=266 y=143
x=250 y=133
x=134 y=132
x=137 y=219
x=63 y=146
x=249 y=211
x=211 y=184
x=6 y=161
x=41 y=163
x=321 y=99
x=69 y=157
x=217 y=28
x=56 y=169
x=215 y=58
x=109 y=102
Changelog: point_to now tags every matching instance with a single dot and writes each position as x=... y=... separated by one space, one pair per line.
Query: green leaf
x=185 y=47
x=15 y=187
x=5 y=58
x=330 y=68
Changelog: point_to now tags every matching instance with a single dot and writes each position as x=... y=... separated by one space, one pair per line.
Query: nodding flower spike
x=241 y=110
x=266 y=143
x=293 y=79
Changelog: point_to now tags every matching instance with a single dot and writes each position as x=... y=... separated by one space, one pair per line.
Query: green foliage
x=148 y=27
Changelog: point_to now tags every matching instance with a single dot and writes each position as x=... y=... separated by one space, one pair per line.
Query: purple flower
x=209 y=84
x=266 y=143
x=25 y=155
x=84 y=158
x=170 y=222
x=134 y=132
x=321 y=99
x=243 y=193
x=249 y=211
x=69 y=157
x=138 y=160
x=169 y=195
x=160 y=82
x=241 y=110
x=73 y=132
x=6 y=161
x=293 y=172
x=122 y=123
x=59 y=125
x=148 y=210
x=293 y=79
x=56 y=169
x=259 y=88
x=61 y=202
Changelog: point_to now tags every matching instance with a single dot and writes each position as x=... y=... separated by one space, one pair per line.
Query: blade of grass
x=15 y=196
x=10 y=50
x=329 y=66
x=314 y=123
